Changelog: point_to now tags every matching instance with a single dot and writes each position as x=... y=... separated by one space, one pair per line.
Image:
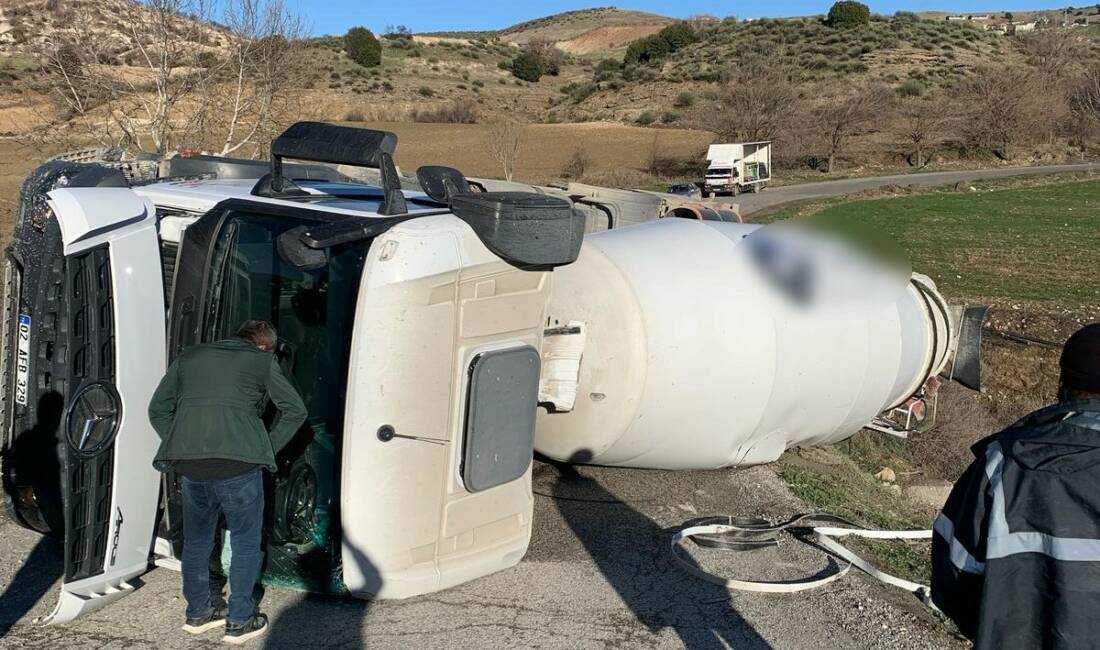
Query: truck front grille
x=87 y=480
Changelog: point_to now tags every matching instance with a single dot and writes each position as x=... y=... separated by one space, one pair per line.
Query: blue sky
x=335 y=16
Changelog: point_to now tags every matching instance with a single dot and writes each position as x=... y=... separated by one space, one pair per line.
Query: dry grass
x=618 y=153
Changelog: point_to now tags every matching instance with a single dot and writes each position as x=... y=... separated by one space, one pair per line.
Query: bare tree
x=171 y=76
x=1086 y=95
x=1054 y=51
x=255 y=82
x=505 y=137
x=1006 y=108
x=842 y=116
x=127 y=87
x=757 y=102
x=922 y=123
x=1085 y=107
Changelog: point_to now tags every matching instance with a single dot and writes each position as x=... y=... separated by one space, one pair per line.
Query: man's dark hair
x=259 y=333
x=1080 y=364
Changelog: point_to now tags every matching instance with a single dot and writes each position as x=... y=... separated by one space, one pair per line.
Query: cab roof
x=201 y=195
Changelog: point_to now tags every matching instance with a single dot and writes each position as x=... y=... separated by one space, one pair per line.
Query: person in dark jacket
x=1016 y=550
x=208 y=412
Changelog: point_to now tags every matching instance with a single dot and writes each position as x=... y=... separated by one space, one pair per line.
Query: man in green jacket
x=208 y=412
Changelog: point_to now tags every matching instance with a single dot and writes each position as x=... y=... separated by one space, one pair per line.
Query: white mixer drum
x=712 y=344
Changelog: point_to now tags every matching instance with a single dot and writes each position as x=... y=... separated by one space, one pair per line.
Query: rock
x=886 y=475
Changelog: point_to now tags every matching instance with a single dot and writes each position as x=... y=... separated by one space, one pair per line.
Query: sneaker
x=250 y=629
x=215 y=618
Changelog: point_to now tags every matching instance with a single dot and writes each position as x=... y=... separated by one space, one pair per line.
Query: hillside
x=467 y=77
x=892 y=50
x=585 y=31
x=26 y=24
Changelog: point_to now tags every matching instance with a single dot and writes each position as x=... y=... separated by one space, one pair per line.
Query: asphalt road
x=597 y=575
x=774 y=196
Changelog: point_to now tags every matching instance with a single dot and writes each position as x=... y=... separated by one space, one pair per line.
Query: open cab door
x=107 y=356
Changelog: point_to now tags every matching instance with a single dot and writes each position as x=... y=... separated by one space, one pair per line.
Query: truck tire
x=295 y=512
x=35 y=266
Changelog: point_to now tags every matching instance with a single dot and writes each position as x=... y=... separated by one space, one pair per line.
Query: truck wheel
x=295 y=515
x=35 y=267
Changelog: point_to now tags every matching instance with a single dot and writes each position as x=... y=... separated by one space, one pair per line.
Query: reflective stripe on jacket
x=1016 y=550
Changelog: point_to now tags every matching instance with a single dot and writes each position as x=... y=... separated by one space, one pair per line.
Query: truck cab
x=737 y=167
x=410 y=323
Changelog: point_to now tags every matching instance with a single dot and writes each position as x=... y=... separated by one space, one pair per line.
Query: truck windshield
x=313 y=312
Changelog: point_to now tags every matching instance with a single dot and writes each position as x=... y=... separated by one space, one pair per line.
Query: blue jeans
x=241 y=500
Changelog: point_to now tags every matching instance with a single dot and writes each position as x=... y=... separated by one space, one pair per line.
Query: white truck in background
x=737 y=167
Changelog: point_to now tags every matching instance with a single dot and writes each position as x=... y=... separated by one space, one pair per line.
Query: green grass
x=840 y=487
x=1037 y=243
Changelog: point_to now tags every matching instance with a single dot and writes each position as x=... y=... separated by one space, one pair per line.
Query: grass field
x=1038 y=243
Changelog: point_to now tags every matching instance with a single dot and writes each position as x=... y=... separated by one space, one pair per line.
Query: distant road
x=774 y=196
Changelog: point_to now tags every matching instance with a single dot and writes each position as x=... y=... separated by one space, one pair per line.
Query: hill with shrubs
x=846 y=89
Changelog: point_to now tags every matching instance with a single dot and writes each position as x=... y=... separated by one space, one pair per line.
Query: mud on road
x=598 y=575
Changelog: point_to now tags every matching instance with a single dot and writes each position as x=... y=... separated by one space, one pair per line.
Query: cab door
x=112 y=309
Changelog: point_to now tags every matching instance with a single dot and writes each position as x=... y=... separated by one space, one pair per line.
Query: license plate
x=23 y=360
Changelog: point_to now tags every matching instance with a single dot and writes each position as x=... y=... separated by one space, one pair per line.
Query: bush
x=425 y=91
x=684 y=100
x=578 y=165
x=362 y=47
x=666 y=41
x=609 y=65
x=526 y=67
x=848 y=13
x=646 y=118
x=668 y=117
x=459 y=111
x=548 y=57
x=355 y=116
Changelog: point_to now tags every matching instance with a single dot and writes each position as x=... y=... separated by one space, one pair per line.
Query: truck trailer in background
x=738 y=167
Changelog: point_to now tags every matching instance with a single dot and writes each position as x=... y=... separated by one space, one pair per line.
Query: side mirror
x=442 y=183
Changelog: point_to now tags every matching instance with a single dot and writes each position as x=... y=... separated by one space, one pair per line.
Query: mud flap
x=967 y=366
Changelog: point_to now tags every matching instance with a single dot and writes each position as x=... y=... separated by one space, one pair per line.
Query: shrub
x=425 y=91
x=666 y=41
x=668 y=117
x=526 y=67
x=684 y=100
x=848 y=13
x=546 y=55
x=362 y=47
x=646 y=118
x=459 y=111
x=355 y=116
x=609 y=65
x=578 y=165
x=206 y=59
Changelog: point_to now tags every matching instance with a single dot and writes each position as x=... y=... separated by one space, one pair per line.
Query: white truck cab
x=437 y=337
x=737 y=167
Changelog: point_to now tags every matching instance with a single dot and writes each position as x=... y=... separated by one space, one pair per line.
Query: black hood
x=1062 y=439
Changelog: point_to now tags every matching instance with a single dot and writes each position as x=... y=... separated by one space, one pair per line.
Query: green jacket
x=211 y=402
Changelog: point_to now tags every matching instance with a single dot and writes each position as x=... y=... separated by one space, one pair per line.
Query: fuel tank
x=708 y=344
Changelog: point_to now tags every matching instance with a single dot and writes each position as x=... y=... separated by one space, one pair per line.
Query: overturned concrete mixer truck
x=439 y=338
